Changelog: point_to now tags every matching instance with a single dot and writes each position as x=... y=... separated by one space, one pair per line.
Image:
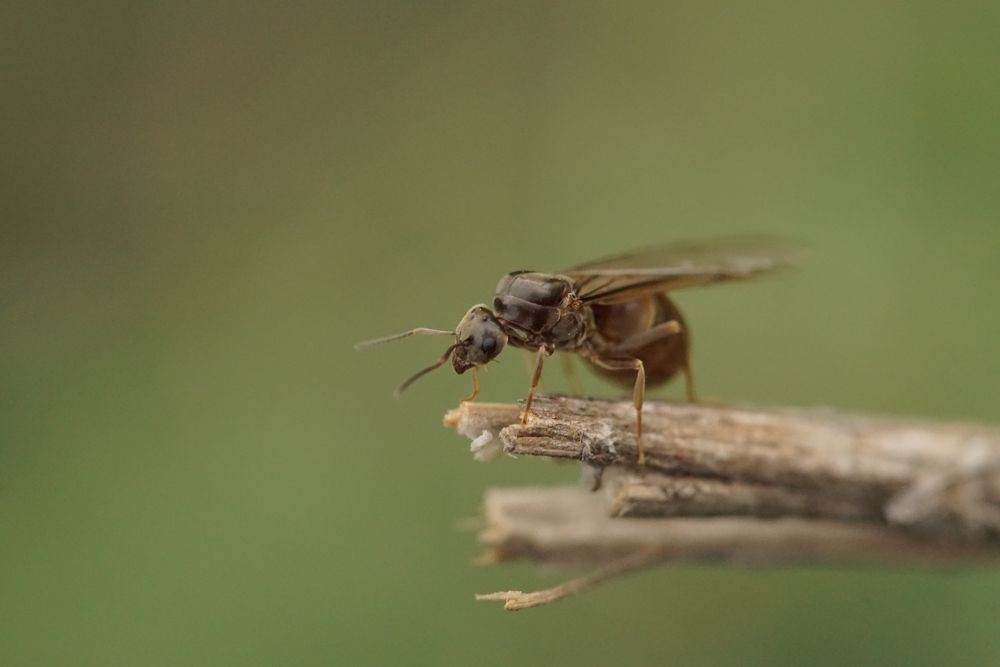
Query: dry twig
x=739 y=484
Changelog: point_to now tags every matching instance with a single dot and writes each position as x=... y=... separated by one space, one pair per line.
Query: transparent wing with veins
x=676 y=265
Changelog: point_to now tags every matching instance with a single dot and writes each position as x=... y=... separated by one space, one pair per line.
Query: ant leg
x=529 y=365
x=475 y=386
x=638 y=391
x=641 y=340
x=689 y=382
x=659 y=332
x=572 y=379
x=535 y=377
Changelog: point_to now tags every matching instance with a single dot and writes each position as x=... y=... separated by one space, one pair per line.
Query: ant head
x=479 y=339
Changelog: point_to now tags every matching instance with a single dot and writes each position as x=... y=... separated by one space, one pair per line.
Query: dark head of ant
x=479 y=339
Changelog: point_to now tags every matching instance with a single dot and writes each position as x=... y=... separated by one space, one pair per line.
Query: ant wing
x=680 y=264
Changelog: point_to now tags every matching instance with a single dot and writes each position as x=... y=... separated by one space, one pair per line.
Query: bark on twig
x=566 y=526
x=653 y=494
x=936 y=478
x=763 y=486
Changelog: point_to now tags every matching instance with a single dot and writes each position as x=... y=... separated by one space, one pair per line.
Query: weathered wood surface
x=935 y=478
x=736 y=484
x=567 y=526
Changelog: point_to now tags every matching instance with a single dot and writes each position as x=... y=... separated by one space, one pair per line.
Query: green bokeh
x=204 y=205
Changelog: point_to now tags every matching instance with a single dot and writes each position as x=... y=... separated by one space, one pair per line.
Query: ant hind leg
x=638 y=391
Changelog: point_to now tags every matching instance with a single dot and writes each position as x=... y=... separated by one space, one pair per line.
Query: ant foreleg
x=535 y=377
x=475 y=386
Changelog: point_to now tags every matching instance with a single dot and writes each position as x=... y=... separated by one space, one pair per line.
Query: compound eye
x=489 y=345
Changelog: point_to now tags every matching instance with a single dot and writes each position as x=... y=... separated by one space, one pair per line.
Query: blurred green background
x=205 y=204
